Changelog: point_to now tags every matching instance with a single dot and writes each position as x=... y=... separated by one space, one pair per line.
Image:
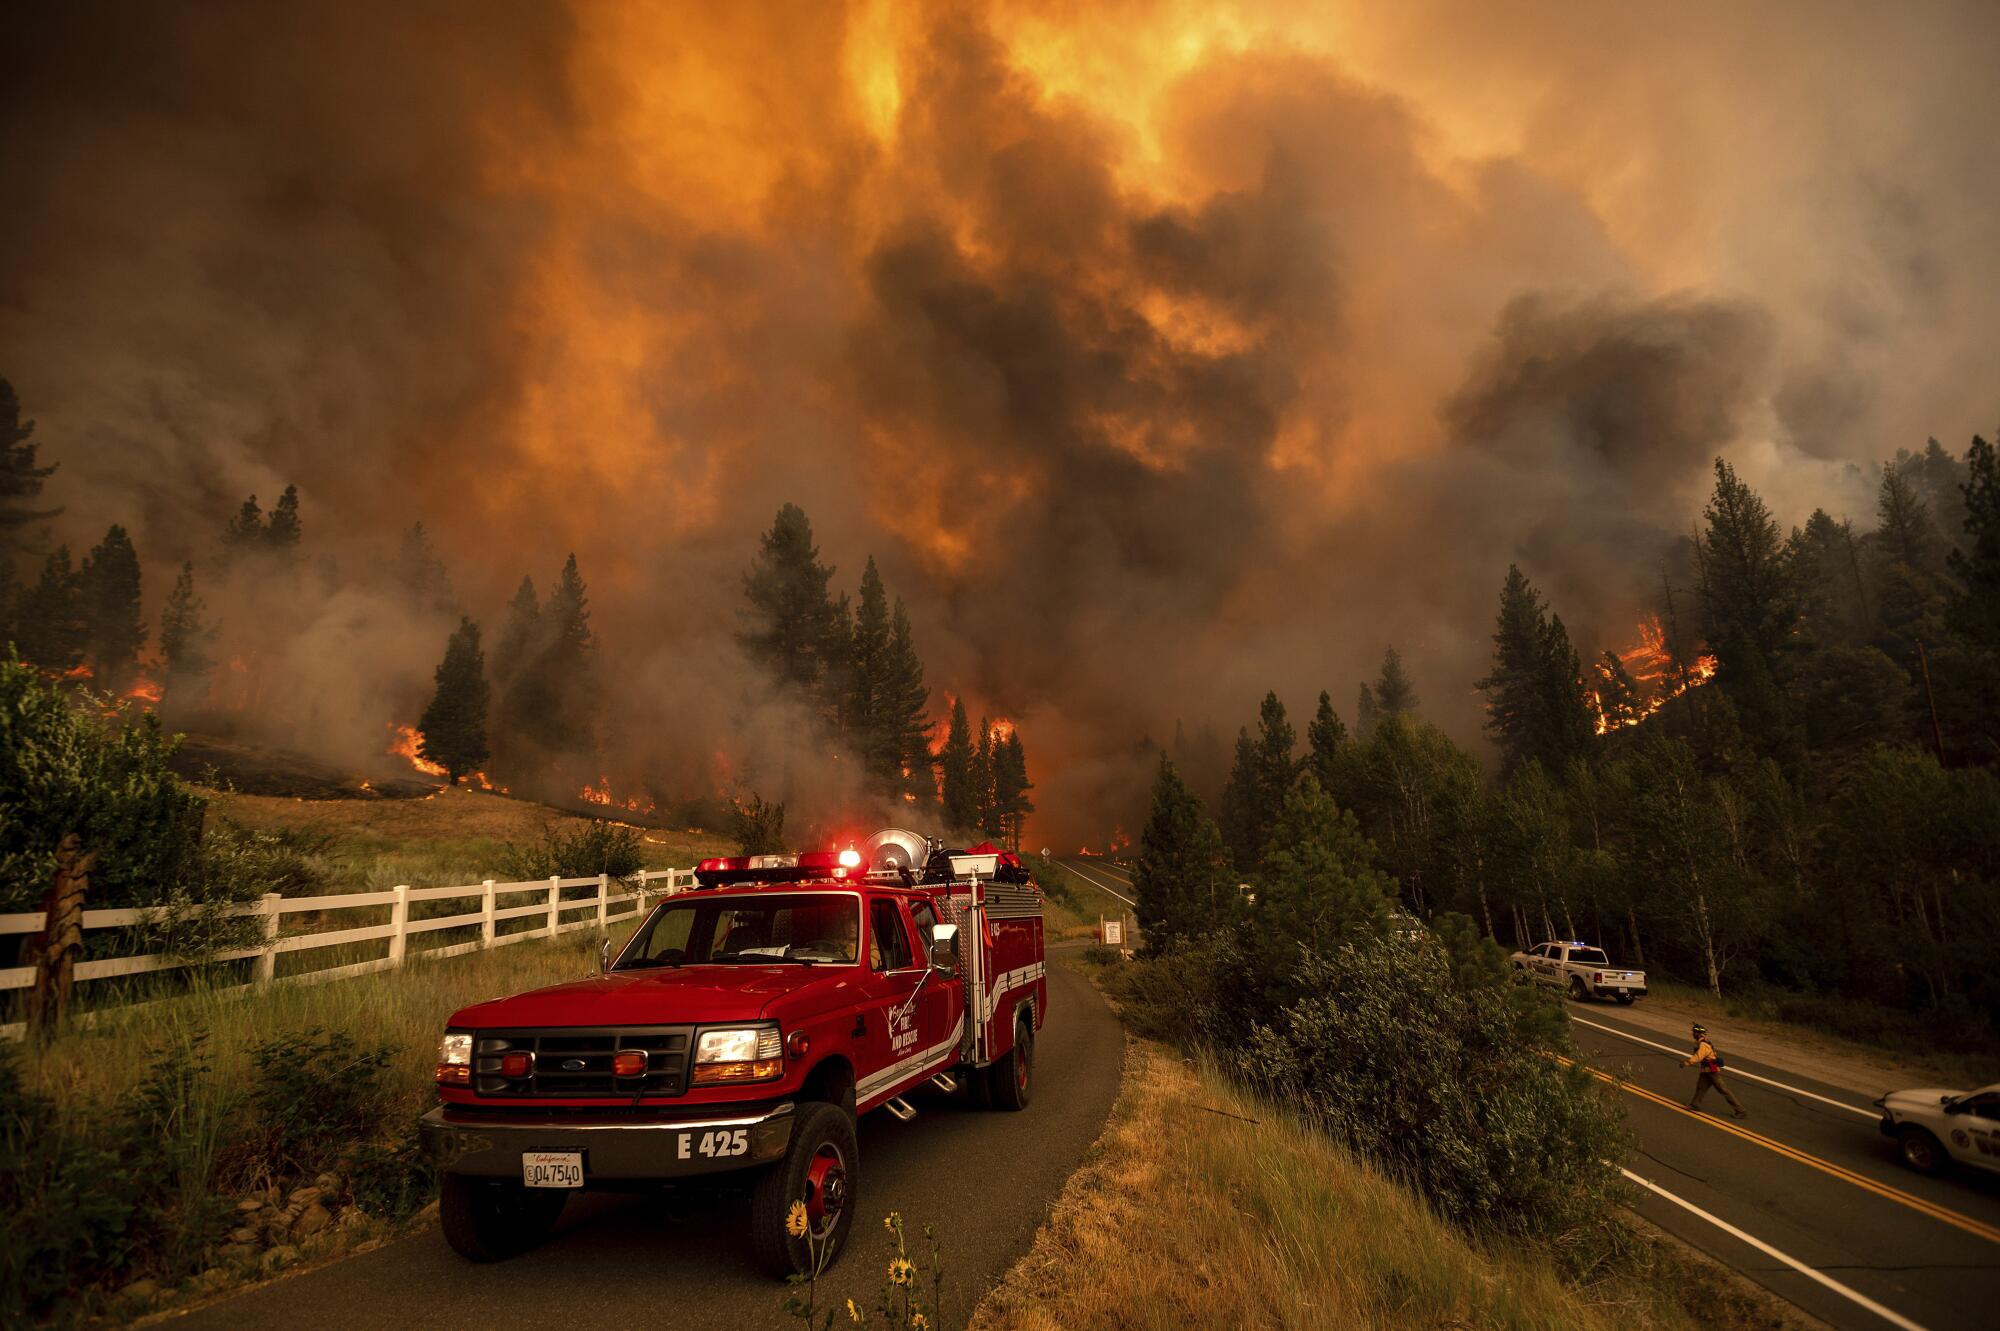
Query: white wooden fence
x=550 y=908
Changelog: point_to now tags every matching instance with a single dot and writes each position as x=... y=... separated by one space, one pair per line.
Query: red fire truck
x=737 y=1036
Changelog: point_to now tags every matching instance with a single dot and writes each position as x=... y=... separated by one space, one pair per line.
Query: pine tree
x=282 y=533
x=1325 y=737
x=985 y=812
x=1748 y=604
x=1367 y=713
x=569 y=665
x=185 y=635
x=789 y=625
x=1318 y=887
x=1514 y=688
x=1567 y=727
x=861 y=710
x=1395 y=695
x=246 y=530
x=1617 y=693
x=1911 y=605
x=1264 y=772
x=905 y=710
x=20 y=479
x=1975 y=611
x=1237 y=806
x=51 y=632
x=956 y=767
x=420 y=574
x=108 y=592
x=1186 y=888
x=454 y=725
x=1010 y=788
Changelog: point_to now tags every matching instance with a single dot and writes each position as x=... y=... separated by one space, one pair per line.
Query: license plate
x=552 y=1169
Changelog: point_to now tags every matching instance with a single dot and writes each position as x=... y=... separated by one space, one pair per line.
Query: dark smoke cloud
x=1145 y=404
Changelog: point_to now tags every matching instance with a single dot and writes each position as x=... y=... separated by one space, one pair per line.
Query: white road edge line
x=1102 y=888
x=1856 y=1296
x=1734 y=1072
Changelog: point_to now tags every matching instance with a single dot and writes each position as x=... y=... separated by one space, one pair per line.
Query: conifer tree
x=905 y=709
x=1911 y=604
x=20 y=479
x=246 y=530
x=1567 y=727
x=1367 y=713
x=1325 y=737
x=1186 y=888
x=420 y=574
x=108 y=596
x=185 y=635
x=1264 y=771
x=985 y=811
x=1975 y=610
x=956 y=764
x=1237 y=806
x=1514 y=688
x=1318 y=887
x=1747 y=601
x=454 y=724
x=569 y=664
x=861 y=710
x=1617 y=693
x=789 y=625
x=1010 y=787
x=51 y=632
x=1395 y=695
x=283 y=531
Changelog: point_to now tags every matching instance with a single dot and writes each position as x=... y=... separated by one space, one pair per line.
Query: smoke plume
x=1161 y=353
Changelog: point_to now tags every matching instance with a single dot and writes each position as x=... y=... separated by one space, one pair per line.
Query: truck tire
x=978 y=1086
x=1625 y=1000
x=490 y=1220
x=1921 y=1151
x=819 y=1171
x=1011 y=1079
x=1577 y=989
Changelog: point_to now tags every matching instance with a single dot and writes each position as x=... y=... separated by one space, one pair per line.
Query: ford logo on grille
x=572 y=1065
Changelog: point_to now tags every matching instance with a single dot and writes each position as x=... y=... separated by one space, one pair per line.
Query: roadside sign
x=1114 y=932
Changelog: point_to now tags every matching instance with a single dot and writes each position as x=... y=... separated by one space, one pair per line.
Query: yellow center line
x=1950 y=1217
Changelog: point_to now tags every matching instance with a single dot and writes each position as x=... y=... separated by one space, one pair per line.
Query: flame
x=144 y=690
x=79 y=672
x=601 y=794
x=407 y=745
x=1656 y=675
x=1003 y=729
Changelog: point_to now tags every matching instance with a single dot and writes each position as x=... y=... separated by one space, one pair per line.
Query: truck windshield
x=1589 y=956
x=707 y=931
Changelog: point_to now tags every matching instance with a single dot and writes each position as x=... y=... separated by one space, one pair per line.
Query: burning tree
x=454 y=725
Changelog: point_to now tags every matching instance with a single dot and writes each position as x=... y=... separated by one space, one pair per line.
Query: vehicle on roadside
x=737 y=1036
x=1584 y=971
x=1935 y=1128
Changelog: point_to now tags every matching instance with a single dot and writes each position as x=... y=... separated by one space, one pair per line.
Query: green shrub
x=391 y=1178
x=581 y=851
x=1184 y=996
x=759 y=828
x=1451 y=1084
x=316 y=1092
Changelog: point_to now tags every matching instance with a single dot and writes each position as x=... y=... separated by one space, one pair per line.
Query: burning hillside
x=1634 y=684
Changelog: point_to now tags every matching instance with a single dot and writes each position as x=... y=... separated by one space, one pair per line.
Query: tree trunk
x=61 y=938
x=1707 y=940
x=1632 y=928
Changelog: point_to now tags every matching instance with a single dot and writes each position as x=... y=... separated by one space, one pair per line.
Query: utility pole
x=1937 y=732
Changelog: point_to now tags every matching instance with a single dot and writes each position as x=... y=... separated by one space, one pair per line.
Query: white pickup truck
x=1936 y=1128
x=1583 y=970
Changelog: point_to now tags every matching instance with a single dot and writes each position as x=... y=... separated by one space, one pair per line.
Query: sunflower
x=795 y=1220
x=901 y=1272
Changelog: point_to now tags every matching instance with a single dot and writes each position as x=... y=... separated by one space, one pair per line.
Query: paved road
x=1807 y=1174
x=985 y=1179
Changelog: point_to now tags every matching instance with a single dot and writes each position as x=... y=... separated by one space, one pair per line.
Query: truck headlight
x=736 y=1054
x=454 y=1065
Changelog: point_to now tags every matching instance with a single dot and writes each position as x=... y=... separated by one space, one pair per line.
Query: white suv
x=1935 y=1128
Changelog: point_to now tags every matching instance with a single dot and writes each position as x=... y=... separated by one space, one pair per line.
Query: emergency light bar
x=803 y=867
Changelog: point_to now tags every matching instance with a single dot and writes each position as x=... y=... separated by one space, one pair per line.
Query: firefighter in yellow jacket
x=1710 y=1063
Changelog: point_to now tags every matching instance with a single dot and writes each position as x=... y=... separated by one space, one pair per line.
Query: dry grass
x=452 y=837
x=1189 y=1213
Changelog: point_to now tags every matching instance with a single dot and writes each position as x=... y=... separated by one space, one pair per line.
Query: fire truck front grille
x=577 y=1062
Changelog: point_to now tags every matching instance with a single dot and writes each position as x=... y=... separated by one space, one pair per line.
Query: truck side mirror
x=944 y=948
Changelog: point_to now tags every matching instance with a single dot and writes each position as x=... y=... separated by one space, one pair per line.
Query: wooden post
x=603 y=900
x=266 y=969
x=62 y=933
x=486 y=916
x=399 y=923
x=555 y=897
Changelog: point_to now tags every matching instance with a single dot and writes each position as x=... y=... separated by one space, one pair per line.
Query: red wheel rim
x=826 y=1189
x=1022 y=1054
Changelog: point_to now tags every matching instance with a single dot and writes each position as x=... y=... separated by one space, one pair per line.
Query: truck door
x=892 y=1022
x=943 y=1000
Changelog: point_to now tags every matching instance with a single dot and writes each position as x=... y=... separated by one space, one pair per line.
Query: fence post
x=603 y=899
x=266 y=968
x=486 y=916
x=555 y=897
x=399 y=923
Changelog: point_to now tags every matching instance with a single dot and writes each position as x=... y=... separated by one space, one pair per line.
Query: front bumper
x=615 y=1147
x=1887 y=1126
